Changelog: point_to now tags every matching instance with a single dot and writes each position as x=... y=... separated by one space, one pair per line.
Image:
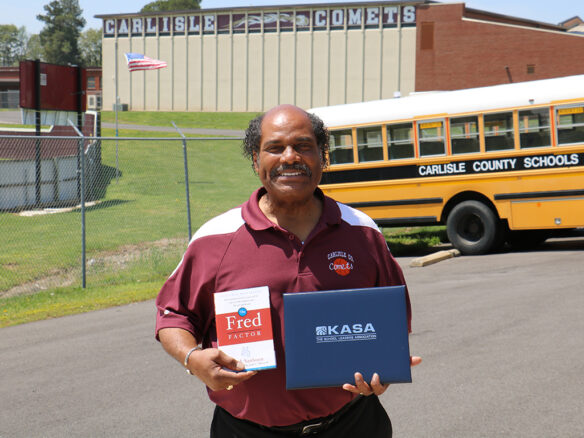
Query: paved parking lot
x=501 y=338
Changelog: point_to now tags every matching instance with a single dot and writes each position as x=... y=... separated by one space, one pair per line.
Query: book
x=330 y=335
x=244 y=326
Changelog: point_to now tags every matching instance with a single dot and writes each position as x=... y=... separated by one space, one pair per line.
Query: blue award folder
x=330 y=335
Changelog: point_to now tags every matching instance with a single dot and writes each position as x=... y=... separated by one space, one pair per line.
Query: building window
x=427 y=39
x=530 y=69
x=91 y=82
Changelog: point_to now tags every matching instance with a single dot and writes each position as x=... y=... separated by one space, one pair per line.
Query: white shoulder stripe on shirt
x=356 y=218
x=225 y=223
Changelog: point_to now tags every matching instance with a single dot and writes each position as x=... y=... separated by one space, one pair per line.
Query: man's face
x=288 y=163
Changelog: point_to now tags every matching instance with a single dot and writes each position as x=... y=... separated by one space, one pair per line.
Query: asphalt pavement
x=501 y=338
x=197 y=131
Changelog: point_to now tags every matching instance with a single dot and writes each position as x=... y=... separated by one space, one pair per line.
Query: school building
x=252 y=58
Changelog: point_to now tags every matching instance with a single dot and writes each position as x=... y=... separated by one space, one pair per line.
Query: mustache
x=297 y=166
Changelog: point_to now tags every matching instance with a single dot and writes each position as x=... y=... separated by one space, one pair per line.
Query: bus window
x=431 y=135
x=499 y=132
x=570 y=125
x=370 y=144
x=341 y=147
x=534 y=128
x=400 y=141
x=464 y=135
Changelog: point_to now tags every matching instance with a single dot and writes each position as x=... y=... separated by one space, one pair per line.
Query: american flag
x=137 y=61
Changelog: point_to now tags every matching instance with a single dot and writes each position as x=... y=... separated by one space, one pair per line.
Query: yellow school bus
x=495 y=164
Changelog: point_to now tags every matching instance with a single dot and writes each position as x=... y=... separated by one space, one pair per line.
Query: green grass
x=234 y=121
x=410 y=241
x=137 y=232
x=146 y=204
x=110 y=282
x=14 y=125
x=72 y=300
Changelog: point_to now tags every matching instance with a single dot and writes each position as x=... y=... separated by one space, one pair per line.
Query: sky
x=24 y=12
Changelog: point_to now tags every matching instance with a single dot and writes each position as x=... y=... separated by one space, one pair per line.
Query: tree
x=90 y=47
x=171 y=5
x=34 y=50
x=63 y=24
x=23 y=38
x=13 y=42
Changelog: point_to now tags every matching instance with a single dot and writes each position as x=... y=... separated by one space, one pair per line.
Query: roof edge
x=269 y=7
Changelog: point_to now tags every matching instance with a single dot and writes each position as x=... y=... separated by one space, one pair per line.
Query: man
x=280 y=238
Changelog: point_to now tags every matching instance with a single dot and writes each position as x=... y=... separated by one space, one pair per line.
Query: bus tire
x=473 y=228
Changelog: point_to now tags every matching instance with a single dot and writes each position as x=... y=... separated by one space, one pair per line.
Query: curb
x=434 y=258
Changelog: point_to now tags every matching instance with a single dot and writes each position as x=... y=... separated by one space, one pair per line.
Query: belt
x=317 y=425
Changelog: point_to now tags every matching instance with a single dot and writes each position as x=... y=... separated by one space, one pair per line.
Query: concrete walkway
x=10 y=117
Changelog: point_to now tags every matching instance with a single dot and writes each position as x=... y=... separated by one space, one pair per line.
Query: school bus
x=494 y=164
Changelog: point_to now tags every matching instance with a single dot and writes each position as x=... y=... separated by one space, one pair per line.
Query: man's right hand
x=213 y=367
x=216 y=369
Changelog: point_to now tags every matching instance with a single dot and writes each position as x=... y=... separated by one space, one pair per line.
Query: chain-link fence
x=108 y=210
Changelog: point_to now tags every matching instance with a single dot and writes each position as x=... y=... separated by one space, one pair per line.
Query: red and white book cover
x=244 y=326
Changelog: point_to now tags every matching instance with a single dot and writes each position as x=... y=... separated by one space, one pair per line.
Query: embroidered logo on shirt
x=340 y=262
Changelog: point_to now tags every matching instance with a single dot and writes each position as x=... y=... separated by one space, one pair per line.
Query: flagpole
x=116 y=109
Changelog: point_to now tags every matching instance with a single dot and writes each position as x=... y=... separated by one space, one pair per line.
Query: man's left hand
x=375 y=386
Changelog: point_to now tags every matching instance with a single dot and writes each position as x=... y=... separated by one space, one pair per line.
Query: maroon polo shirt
x=242 y=248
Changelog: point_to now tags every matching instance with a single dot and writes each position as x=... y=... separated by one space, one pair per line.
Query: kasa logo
x=345 y=332
x=341 y=262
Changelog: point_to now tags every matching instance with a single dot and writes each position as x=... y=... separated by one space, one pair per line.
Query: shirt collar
x=255 y=218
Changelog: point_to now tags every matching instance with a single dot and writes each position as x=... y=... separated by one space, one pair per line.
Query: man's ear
x=255 y=161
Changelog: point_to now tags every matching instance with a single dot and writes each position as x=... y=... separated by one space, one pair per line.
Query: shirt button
x=291 y=236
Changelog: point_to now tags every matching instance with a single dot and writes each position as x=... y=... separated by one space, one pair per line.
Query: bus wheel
x=473 y=228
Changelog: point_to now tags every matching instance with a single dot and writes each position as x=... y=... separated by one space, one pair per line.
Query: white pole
x=117 y=99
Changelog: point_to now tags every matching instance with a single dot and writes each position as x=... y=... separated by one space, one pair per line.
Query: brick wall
x=452 y=53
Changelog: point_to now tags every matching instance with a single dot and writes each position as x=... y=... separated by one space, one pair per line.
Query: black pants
x=366 y=419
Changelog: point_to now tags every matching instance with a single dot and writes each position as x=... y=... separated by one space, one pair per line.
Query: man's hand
x=375 y=387
x=212 y=367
